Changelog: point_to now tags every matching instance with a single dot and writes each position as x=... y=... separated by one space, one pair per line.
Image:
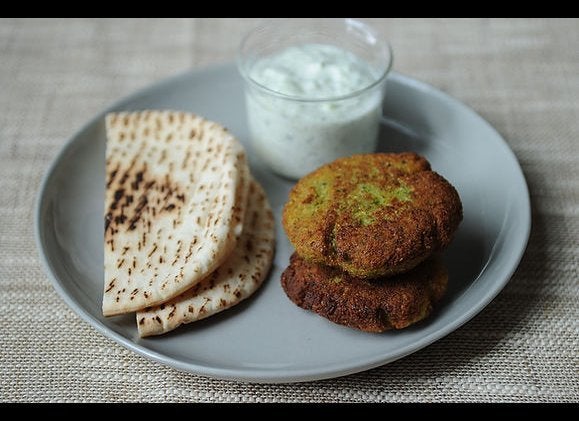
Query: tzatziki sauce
x=316 y=106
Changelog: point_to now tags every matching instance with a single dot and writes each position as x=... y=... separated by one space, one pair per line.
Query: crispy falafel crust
x=371 y=305
x=372 y=214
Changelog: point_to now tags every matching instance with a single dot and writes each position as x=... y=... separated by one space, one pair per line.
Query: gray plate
x=267 y=338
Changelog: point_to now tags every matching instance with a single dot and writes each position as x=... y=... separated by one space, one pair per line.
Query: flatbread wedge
x=176 y=190
x=236 y=279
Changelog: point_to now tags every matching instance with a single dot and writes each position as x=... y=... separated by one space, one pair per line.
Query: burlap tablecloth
x=521 y=75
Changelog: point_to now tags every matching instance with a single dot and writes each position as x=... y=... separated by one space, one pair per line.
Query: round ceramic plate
x=267 y=338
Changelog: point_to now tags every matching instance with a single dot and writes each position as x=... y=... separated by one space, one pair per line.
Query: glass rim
x=385 y=46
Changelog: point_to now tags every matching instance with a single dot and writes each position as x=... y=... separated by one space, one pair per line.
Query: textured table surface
x=520 y=75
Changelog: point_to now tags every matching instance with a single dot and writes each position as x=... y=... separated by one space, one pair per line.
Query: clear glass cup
x=296 y=133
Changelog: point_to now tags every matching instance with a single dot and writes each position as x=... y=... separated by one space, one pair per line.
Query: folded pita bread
x=236 y=279
x=175 y=200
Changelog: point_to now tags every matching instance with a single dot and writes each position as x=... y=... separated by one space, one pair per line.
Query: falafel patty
x=372 y=214
x=371 y=305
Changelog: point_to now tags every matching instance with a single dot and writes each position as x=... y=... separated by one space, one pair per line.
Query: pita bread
x=236 y=279
x=175 y=200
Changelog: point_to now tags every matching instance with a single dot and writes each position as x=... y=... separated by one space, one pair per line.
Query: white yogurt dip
x=315 y=107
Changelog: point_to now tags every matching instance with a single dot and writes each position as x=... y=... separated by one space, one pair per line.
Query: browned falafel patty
x=373 y=214
x=371 y=305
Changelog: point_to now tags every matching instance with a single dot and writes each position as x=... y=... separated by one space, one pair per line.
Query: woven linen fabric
x=522 y=75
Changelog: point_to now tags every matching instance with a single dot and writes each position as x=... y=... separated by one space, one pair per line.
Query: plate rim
x=271 y=376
